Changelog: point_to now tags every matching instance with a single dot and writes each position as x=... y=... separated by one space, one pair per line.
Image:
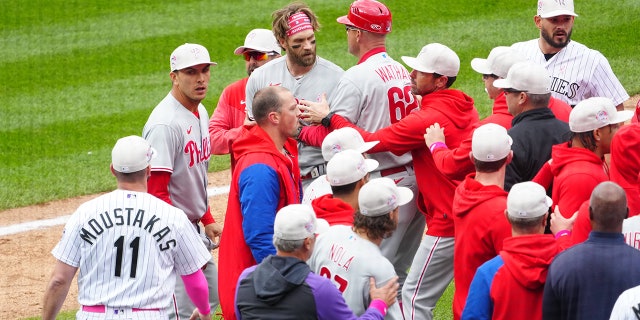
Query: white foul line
x=33 y=225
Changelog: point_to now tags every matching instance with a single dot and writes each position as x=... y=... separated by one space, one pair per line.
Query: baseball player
x=178 y=129
x=128 y=245
x=349 y=256
x=306 y=75
x=435 y=69
x=577 y=72
x=374 y=94
x=260 y=46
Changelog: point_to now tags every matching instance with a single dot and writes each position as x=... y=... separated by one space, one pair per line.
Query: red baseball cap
x=368 y=15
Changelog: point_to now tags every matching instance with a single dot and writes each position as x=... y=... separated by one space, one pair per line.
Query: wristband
x=562 y=233
x=379 y=305
x=437 y=145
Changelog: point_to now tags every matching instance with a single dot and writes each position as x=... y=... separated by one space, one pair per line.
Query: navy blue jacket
x=585 y=280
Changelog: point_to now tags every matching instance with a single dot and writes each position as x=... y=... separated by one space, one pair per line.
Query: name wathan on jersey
x=392 y=72
x=126 y=216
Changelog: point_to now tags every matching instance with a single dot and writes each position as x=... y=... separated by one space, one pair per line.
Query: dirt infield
x=27 y=260
x=26 y=257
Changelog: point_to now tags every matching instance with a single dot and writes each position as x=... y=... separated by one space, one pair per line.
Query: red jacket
x=481 y=227
x=576 y=172
x=625 y=164
x=256 y=155
x=517 y=286
x=226 y=121
x=454 y=111
x=455 y=162
x=334 y=210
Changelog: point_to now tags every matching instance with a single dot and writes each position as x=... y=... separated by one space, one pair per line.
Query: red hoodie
x=518 y=286
x=455 y=162
x=454 y=111
x=481 y=227
x=253 y=147
x=576 y=172
x=334 y=210
x=625 y=164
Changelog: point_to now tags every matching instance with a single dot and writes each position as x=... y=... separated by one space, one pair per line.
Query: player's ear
x=538 y=21
x=113 y=172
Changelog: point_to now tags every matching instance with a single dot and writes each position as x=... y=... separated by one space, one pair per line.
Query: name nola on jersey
x=125 y=216
x=339 y=255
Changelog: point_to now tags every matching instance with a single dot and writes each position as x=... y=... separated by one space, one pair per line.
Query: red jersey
x=227 y=119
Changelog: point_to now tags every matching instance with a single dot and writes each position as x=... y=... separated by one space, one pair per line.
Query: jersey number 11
x=119 y=244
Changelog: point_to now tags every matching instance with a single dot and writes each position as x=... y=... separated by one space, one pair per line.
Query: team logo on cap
x=309 y=227
x=335 y=148
x=602 y=116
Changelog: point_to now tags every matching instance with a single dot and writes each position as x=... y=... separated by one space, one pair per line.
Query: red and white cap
x=261 y=40
x=131 y=154
x=368 y=15
x=189 y=55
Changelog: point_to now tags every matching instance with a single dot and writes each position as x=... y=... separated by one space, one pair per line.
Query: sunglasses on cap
x=257 y=55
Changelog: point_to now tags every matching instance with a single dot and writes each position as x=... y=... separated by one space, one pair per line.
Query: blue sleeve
x=330 y=303
x=479 y=304
x=259 y=191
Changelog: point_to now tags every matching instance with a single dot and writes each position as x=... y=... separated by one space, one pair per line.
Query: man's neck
x=351 y=199
x=275 y=136
x=189 y=104
x=363 y=234
x=133 y=186
x=491 y=178
x=297 y=70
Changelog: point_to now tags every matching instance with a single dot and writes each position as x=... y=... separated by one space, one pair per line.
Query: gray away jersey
x=373 y=95
x=126 y=245
x=322 y=79
x=183 y=146
x=349 y=261
x=577 y=72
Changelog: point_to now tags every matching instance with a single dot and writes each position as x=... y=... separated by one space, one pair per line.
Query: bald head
x=608 y=207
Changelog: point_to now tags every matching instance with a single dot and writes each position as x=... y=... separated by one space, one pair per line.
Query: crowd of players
x=403 y=187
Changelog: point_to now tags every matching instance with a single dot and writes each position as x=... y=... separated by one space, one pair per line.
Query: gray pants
x=401 y=247
x=182 y=301
x=430 y=274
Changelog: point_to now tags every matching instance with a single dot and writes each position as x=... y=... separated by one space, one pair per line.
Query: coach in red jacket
x=434 y=71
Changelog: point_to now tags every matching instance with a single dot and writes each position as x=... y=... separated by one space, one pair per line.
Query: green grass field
x=77 y=75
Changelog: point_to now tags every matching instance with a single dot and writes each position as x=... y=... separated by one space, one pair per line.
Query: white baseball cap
x=348 y=166
x=188 y=55
x=131 y=154
x=526 y=76
x=594 y=113
x=554 y=8
x=490 y=142
x=261 y=40
x=498 y=62
x=344 y=139
x=527 y=200
x=435 y=58
x=380 y=196
x=297 y=222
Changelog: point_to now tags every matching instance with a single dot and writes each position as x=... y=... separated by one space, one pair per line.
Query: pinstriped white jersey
x=321 y=79
x=129 y=246
x=349 y=261
x=183 y=149
x=373 y=95
x=577 y=72
x=631 y=231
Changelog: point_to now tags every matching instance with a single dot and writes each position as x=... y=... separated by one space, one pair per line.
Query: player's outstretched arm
x=386 y=293
x=57 y=289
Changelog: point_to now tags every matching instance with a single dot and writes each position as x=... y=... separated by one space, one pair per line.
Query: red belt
x=390 y=171
x=103 y=309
